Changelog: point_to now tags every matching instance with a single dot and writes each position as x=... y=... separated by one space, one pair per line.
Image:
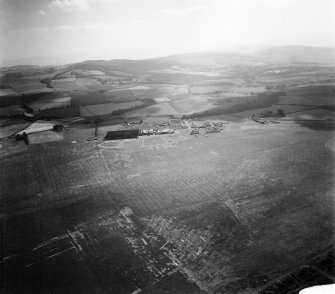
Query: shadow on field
x=317 y=125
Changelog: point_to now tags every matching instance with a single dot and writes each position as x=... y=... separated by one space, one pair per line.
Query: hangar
x=123 y=134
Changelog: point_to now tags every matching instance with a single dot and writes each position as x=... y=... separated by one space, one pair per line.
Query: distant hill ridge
x=285 y=54
x=297 y=54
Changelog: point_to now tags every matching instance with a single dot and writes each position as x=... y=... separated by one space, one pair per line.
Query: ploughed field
x=222 y=213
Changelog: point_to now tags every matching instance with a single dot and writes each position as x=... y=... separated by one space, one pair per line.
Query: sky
x=74 y=30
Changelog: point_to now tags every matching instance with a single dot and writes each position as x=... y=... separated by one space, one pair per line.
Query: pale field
x=209 y=89
x=163 y=99
x=192 y=104
x=139 y=90
x=39 y=126
x=171 y=89
x=94 y=72
x=111 y=78
x=247 y=89
x=44 y=137
x=161 y=109
x=133 y=93
x=50 y=103
x=232 y=95
x=8 y=92
x=219 y=82
x=72 y=73
x=140 y=87
x=188 y=72
x=72 y=84
x=176 y=108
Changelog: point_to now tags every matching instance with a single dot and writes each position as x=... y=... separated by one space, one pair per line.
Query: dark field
x=232 y=212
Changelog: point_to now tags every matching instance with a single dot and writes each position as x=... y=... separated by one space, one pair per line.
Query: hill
x=213 y=59
x=125 y=65
x=285 y=54
x=297 y=54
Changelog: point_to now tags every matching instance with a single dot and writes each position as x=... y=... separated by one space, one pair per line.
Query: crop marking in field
x=7 y=257
x=133 y=176
x=115 y=144
x=330 y=145
x=105 y=163
x=161 y=145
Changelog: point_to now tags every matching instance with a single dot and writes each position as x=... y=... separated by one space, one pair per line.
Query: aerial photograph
x=167 y=146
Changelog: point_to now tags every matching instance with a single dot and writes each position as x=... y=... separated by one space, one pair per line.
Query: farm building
x=175 y=123
x=184 y=124
x=123 y=134
x=200 y=124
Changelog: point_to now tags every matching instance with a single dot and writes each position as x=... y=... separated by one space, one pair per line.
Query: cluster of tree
x=328 y=107
x=263 y=100
x=10 y=100
x=16 y=115
x=54 y=113
x=47 y=82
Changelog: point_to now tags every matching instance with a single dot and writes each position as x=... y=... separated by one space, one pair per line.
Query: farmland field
x=161 y=109
x=162 y=99
x=107 y=108
x=44 y=137
x=12 y=127
x=38 y=126
x=7 y=92
x=175 y=71
x=13 y=109
x=238 y=197
x=171 y=89
x=29 y=85
x=50 y=103
x=209 y=89
x=170 y=198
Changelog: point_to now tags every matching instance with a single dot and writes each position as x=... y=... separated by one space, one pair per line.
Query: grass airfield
x=216 y=213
